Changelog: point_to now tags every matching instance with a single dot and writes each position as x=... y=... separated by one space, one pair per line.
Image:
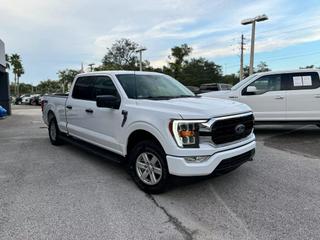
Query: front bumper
x=180 y=167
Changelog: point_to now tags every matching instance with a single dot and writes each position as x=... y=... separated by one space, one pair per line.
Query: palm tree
x=7 y=61
x=20 y=71
x=17 y=70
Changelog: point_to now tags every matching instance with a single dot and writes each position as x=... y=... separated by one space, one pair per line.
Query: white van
x=279 y=97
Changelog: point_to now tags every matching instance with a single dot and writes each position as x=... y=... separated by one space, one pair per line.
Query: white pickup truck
x=279 y=97
x=153 y=123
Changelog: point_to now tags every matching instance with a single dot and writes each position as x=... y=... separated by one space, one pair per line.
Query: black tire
x=54 y=132
x=152 y=149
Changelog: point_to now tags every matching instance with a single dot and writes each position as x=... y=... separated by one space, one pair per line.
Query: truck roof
x=114 y=72
x=288 y=71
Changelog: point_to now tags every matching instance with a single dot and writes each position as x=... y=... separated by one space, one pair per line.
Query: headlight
x=186 y=132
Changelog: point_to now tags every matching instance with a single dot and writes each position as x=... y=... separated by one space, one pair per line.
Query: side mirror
x=108 y=101
x=251 y=89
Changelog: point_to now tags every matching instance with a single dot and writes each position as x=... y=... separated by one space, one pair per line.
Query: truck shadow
x=304 y=140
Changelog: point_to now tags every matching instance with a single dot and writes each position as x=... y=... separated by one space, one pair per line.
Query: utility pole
x=241 y=56
x=253 y=21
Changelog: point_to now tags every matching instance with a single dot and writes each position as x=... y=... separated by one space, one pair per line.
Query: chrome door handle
x=89 y=110
x=279 y=97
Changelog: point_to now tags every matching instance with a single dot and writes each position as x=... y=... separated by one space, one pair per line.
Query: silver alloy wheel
x=149 y=168
x=53 y=131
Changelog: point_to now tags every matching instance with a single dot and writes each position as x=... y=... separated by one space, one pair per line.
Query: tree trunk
x=18 y=86
x=15 y=85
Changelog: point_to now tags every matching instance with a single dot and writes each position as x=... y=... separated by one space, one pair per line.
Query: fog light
x=197 y=159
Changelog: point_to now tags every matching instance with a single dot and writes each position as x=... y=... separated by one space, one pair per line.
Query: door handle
x=69 y=106
x=233 y=97
x=89 y=110
x=317 y=96
x=279 y=97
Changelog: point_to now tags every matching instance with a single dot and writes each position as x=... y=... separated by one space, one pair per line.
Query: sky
x=52 y=35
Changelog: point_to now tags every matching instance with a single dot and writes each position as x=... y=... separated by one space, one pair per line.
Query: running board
x=88 y=147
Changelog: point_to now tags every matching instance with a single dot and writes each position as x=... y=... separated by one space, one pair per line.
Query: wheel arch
x=139 y=135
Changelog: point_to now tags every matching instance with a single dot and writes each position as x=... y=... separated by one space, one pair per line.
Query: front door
x=268 y=101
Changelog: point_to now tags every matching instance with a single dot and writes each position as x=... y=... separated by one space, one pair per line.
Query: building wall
x=2 y=55
x=4 y=81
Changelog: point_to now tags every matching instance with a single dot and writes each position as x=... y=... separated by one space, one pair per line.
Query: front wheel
x=54 y=132
x=148 y=167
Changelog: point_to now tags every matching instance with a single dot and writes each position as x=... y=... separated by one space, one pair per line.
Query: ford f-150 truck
x=153 y=123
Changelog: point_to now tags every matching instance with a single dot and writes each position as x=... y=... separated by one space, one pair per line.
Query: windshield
x=239 y=84
x=152 y=86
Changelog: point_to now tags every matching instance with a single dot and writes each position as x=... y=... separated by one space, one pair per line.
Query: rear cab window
x=301 y=81
x=89 y=87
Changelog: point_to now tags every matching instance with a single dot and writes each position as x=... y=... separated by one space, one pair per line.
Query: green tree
x=178 y=55
x=200 y=70
x=263 y=67
x=49 y=86
x=122 y=55
x=17 y=70
x=66 y=77
x=7 y=61
x=309 y=66
x=231 y=79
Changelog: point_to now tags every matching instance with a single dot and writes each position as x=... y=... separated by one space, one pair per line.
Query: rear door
x=269 y=101
x=78 y=120
x=99 y=126
x=303 y=96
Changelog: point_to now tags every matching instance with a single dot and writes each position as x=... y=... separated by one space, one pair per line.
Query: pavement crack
x=186 y=233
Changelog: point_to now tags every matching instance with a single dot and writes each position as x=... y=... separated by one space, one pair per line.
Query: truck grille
x=226 y=130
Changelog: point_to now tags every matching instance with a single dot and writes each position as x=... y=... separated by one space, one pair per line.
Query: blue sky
x=52 y=35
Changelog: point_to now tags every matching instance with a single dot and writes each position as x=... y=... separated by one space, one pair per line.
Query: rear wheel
x=54 y=132
x=148 y=167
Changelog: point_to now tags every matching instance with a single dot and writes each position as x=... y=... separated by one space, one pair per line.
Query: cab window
x=300 y=81
x=103 y=85
x=264 y=84
x=83 y=89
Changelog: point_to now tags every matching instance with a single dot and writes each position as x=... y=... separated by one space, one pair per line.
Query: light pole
x=140 y=50
x=91 y=66
x=253 y=21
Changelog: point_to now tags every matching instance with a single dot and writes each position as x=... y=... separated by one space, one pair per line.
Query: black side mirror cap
x=108 y=101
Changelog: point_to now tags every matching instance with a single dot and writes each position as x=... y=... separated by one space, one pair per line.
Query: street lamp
x=140 y=50
x=253 y=21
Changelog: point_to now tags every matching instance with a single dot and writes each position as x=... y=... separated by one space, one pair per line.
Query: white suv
x=279 y=97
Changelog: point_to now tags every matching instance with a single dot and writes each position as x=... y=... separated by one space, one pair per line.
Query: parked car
x=279 y=97
x=209 y=87
x=153 y=123
x=18 y=100
x=194 y=89
x=35 y=99
x=26 y=99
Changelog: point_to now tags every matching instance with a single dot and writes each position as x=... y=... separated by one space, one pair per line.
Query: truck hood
x=197 y=108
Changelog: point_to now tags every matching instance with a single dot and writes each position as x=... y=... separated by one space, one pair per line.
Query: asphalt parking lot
x=49 y=192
